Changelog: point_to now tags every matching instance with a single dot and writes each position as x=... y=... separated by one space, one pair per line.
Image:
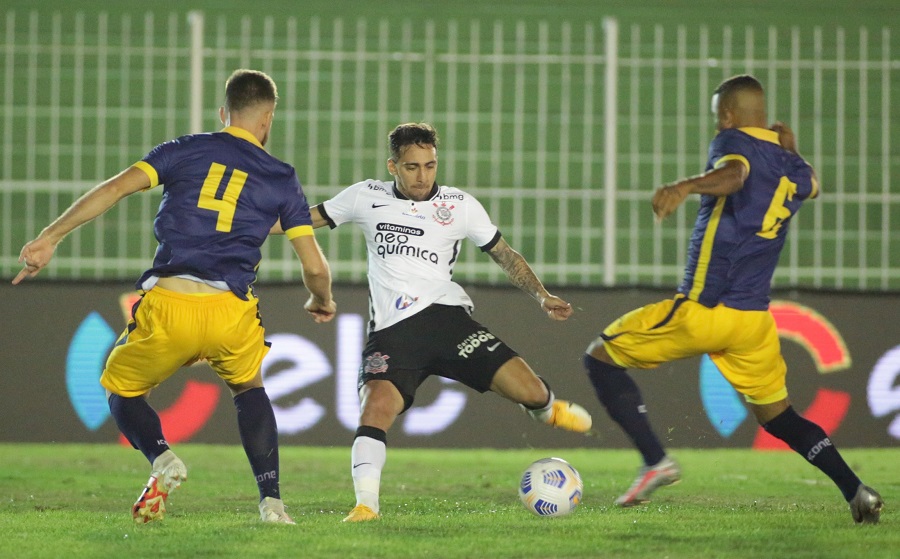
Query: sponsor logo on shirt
x=403 y=302
x=393 y=239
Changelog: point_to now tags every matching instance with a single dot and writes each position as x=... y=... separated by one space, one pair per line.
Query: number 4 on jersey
x=224 y=206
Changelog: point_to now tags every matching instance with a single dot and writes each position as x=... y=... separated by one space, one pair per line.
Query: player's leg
x=516 y=381
x=622 y=399
x=643 y=338
x=236 y=347
x=380 y=404
x=140 y=361
x=766 y=393
x=810 y=441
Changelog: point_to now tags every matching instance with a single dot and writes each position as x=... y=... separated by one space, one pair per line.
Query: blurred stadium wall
x=562 y=117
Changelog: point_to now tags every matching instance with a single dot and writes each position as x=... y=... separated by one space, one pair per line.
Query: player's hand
x=556 y=308
x=35 y=255
x=667 y=199
x=321 y=312
x=786 y=136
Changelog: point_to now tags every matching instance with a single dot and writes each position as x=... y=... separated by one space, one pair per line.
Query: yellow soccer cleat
x=569 y=416
x=362 y=513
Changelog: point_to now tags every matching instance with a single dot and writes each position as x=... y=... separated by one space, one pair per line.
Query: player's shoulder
x=373 y=186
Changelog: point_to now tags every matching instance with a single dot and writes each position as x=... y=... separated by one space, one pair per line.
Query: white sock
x=367 y=459
x=545 y=413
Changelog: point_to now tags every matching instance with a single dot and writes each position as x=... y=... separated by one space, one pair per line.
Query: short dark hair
x=245 y=88
x=742 y=82
x=404 y=135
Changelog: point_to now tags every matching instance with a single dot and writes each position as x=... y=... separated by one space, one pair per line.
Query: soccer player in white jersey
x=420 y=319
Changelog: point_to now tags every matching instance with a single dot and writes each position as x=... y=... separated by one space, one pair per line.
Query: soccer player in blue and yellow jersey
x=754 y=182
x=222 y=194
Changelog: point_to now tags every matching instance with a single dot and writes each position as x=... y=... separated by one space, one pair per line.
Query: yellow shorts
x=171 y=330
x=744 y=345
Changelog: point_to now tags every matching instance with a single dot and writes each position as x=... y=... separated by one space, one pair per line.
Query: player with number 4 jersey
x=222 y=193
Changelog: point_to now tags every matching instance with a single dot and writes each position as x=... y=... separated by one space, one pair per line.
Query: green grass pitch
x=72 y=501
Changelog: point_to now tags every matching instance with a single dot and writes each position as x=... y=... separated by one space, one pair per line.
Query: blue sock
x=259 y=435
x=623 y=402
x=811 y=442
x=140 y=424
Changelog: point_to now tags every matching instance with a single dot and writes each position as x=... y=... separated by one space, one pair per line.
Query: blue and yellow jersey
x=737 y=239
x=222 y=193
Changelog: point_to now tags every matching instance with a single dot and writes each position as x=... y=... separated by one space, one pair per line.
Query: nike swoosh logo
x=361 y=464
x=378 y=205
x=493 y=347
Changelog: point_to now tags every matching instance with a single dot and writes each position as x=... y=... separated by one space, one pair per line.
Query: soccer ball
x=550 y=487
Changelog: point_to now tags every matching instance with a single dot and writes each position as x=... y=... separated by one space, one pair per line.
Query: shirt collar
x=432 y=194
x=761 y=134
x=242 y=134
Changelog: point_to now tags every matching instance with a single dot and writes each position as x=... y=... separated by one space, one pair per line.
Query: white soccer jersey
x=412 y=246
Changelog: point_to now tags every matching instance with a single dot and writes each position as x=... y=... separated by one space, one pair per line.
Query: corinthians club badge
x=443 y=214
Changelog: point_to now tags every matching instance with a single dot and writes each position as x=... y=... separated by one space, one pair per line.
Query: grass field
x=73 y=501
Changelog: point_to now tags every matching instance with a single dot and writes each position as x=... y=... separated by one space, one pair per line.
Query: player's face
x=415 y=171
x=721 y=115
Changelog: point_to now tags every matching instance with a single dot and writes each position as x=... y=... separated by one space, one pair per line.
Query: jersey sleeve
x=295 y=218
x=800 y=173
x=342 y=207
x=728 y=145
x=479 y=227
x=158 y=163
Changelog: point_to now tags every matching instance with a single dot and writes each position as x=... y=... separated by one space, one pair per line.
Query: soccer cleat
x=866 y=505
x=649 y=479
x=568 y=416
x=362 y=513
x=272 y=510
x=167 y=473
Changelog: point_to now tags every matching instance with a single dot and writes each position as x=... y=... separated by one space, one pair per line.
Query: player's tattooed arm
x=522 y=276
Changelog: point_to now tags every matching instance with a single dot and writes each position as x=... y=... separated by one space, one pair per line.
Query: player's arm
x=724 y=180
x=316 y=277
x=36 y=254
x=788 y=141
x=522 y=276
x=318 y=220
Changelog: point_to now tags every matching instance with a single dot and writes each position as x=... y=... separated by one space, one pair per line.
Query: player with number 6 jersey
x=755 y=182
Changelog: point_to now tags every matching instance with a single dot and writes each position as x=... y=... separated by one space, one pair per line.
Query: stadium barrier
x=842 y=372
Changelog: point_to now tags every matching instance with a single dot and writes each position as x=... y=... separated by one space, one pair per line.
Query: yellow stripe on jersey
x=150 y=172
x=709 y=236
x=763 y=134
x=732 y=157
x=243 y=134
x=815 y=188
x=299 y=231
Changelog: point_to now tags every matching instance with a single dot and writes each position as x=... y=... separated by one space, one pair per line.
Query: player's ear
x=222 y=115
x=391 y=167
